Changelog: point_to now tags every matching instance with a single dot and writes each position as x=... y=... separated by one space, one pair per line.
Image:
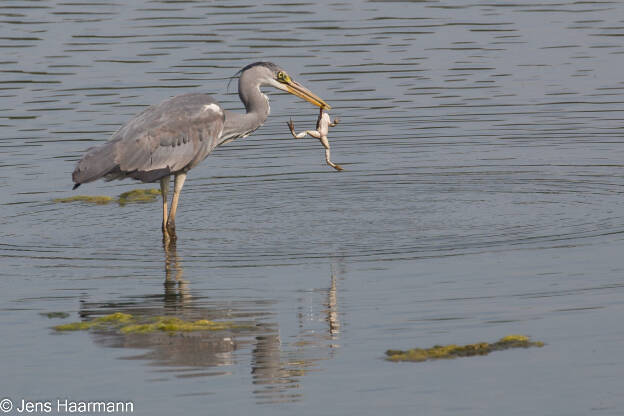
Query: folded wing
x=169 y=137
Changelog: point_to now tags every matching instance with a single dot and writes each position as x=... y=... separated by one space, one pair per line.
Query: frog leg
x=315 y=134
x=330 y=163
x=325 y=143
x=301 y=135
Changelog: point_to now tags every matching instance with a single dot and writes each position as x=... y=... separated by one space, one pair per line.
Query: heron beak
x=300 y=91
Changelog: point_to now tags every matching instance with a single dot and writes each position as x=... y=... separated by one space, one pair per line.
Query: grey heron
x=172 y=137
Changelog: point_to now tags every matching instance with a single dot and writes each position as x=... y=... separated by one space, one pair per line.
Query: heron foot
x=171 y=229
x=169 y=234
x=166 y=238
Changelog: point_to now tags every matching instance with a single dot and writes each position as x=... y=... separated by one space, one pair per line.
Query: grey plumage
x=172 y=136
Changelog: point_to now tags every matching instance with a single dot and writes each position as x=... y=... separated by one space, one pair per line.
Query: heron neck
x=241 y=125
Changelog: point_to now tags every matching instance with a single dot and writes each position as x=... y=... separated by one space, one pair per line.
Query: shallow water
x=481 y=197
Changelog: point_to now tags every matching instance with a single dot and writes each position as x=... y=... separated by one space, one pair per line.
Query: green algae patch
x=439 y=352
x=117 y=317
x=138 y=196
x=111 y=320
x=520 y=339
x=75 y=326
x=130 y=324
x=169 y=324
x=98 y=200
x=130 y=197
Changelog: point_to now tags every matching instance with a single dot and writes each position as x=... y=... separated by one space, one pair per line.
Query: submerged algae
x=130 y=324
x=51 y=315
x=438 y=352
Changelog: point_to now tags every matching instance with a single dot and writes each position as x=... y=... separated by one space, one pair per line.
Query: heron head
x=267 y=73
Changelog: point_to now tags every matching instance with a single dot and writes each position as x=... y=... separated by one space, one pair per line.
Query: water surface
x=481 y=197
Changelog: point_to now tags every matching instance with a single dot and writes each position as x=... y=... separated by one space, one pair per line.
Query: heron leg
x=177 y=188
x=164 y=191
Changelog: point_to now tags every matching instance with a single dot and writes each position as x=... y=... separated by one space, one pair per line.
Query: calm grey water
x=482 y=196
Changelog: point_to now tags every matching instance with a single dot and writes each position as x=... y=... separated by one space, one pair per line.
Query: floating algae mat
x=131 y=324
x=99 y=200
x=138 y=195
x=134 y=196
x=439 y=352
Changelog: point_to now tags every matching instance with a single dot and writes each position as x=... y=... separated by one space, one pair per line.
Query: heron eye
x=281 y=76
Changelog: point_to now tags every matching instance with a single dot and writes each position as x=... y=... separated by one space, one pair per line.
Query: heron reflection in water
x=276 y=364
x=172 y=137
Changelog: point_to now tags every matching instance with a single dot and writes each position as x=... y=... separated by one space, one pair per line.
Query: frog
x=323 y=123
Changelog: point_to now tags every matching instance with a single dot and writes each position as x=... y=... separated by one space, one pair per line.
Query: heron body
x=172 y=137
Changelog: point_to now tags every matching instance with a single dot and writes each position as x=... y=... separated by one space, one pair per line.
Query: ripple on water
x=474 y=128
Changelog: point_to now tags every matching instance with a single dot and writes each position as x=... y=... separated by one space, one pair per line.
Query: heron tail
x=98 y=162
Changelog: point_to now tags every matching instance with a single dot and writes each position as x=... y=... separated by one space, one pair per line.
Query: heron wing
x=176 y=134
x=165 y=138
